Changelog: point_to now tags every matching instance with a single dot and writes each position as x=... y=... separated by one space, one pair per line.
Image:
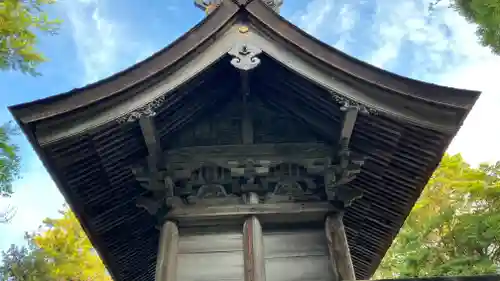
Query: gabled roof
x=166 y=60
x=89 y=153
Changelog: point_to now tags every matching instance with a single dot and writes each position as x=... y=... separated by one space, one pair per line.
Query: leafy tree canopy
x=9 y=167
x=59 y=251
x=9 y=160
x=20 y=22
x=484 y=13
x=454 y=228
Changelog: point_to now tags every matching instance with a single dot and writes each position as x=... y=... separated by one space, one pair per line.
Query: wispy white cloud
x=328 y=19
x=104 y=46
x=438 y=47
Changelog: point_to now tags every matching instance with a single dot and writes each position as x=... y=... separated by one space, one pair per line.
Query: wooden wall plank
x=210 y=257
x=208 y=243
x=296 y=255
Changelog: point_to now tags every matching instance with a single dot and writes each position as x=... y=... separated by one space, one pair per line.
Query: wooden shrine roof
x=89 y=153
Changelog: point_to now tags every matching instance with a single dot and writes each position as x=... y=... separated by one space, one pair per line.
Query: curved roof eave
x=160 y=61
x=429 y=92
x=206 y=29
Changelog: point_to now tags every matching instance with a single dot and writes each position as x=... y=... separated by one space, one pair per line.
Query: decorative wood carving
x=219 y=175
x=346 y=166
x=206 y=4
x=154 y=176
x=245 y=56
x=346 y=103
x=274 y=4
x=149 y=110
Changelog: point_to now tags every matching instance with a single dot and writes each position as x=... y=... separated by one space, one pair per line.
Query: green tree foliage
x=20 y=23
x=9 y=168
x=24 y=264
x=454 y=228
x=59 y=251
x=9 y=160
x=484 y=13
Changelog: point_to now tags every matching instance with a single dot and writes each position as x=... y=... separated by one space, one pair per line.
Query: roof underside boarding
x=295 y=95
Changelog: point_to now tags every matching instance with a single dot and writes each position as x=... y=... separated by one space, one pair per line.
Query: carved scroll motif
x=245 y=56
x=149 y=109
x=346 y=103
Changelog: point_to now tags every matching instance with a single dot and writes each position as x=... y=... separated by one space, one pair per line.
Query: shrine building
x=245 y=150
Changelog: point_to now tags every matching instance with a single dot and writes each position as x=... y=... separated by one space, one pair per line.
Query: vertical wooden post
x=340 y=256
x=253 y=245
x=166 y=262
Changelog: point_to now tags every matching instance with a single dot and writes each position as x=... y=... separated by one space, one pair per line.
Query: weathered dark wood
x=278 y=213
x=253 y=245
x=350 y=116
x=448 y=278
x=285 y=151
x=166 y=261
x=152 y=141
x=340 y=256
x=247 y=120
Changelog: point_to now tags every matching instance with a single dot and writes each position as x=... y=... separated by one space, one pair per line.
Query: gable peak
x=209 y=5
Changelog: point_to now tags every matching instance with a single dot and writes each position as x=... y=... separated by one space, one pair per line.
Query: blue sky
x=100 y=37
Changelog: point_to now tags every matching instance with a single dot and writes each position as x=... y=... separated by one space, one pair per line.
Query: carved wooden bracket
x=347 y=165
x=219 y=175
x=245 y=57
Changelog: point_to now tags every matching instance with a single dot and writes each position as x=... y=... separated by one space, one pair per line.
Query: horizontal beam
x=279 y=213
x=313 y=156
x=282 y=150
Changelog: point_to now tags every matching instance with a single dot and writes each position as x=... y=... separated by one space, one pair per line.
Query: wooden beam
x=166 y=261
x=283 y=151
x=253 y=245
x=338 y=249
x=152 y=140
x=350 y=116
x=279 y=213
x=247 y=120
